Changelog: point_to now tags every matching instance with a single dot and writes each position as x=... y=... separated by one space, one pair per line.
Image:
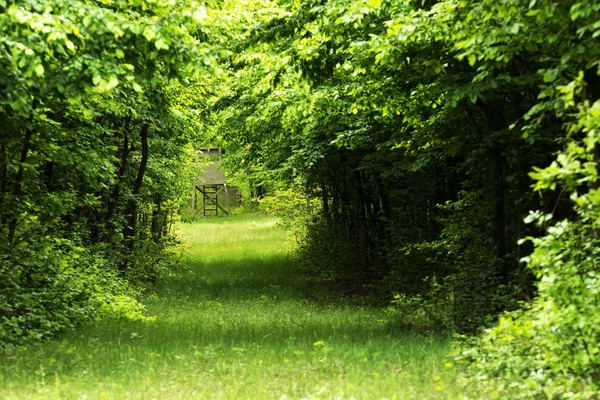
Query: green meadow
x=236 y=321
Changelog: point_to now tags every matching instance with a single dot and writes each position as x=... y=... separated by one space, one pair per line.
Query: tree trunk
x=113 y=199
x=132 y=205
x=3 y=177
x=48 y=176
x=18 y=184
x=157 y=218
x=591 y=93
x=325 y=201
x=363 y=225
x=497 y=182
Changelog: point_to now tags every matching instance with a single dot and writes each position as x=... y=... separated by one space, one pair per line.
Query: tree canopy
x=446 y=152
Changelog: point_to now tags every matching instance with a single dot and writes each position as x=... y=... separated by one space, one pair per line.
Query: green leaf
x=39 y=70
x=472 y=59
x=136 y=86
x=161 y=44
x=149 y=34
x=200 y=15
x=113 y=82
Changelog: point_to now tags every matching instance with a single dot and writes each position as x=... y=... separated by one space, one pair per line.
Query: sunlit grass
x=236 y=322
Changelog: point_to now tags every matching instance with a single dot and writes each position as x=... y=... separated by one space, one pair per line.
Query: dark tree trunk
x=383 y=195
x=591 y=93
x=335 y=203
x=384 y=213
x=18 y=184
x=3 y=177
x=498 y=186
x=345 y=207
x=48 y=175
x=114 y=196
x=363 y=227
x=596 y=185
x=132 y=205
x=157 y=218
x=325 y=201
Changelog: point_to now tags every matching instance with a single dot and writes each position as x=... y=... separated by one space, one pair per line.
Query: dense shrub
x=296 y=210
x=551 y=348
x=330 y=253
x=95 y=151
x=54 y=284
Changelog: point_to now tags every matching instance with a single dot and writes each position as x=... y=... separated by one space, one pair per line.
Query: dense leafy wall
x=420 y=125
x=413 y=146
x=92 y=152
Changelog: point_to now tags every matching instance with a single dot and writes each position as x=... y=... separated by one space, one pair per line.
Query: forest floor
x=236 y=321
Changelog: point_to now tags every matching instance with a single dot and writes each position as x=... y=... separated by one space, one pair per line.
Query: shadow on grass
x=238 y=280
x=217 y=304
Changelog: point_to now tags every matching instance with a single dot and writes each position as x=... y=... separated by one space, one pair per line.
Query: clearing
x=235 y=322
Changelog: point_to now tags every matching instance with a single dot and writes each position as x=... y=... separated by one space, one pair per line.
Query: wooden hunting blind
x=211 y=184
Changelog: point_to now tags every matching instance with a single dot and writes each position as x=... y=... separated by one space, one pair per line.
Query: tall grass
x=235 y=322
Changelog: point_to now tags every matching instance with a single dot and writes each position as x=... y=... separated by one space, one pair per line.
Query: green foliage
x=374 y=109
x=94 y=105
x=294 y=209
x=331 y=254
x=551 y=348
x=53 y=284
x=417 y=125
x=416 y=314
x=152 y=262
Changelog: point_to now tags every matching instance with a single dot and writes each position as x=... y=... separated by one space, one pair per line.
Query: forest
x=433 y=161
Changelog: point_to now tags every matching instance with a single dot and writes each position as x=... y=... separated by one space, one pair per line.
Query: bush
x=330 y=253
x=418 y=314
x=293 y=210
x=551 y=349
x=53 y=284
x=151 y=261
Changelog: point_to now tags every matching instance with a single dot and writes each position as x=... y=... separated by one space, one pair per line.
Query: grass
x=236 y=322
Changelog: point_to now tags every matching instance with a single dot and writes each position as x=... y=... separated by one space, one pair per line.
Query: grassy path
x=235 y=323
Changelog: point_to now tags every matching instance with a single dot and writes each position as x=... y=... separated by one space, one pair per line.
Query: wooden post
x=193 y=200
x=227 y=200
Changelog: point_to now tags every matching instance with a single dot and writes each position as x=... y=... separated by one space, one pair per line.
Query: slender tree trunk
x=325 y=201
x=383 y=212
x=383 y=195
x=3 y=177
x=132 y=205
x=335 y=204
x=48 y=175
x=363 y=227
x=591 y=93
x=113 y=199
x=596 y=185
x=345 y=207
x=18 y=184
x=157 y=218
x=498 y=186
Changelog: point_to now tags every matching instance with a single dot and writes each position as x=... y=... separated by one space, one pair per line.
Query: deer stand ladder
x=210 y=199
